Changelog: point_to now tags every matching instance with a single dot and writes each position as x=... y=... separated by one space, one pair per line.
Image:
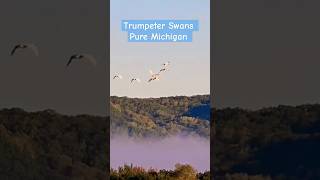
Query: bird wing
x=91 y=59
x=34 y=48
x=14 y=50
x=71 y=59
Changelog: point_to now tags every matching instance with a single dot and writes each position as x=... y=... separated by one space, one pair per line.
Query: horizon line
x=137 y=97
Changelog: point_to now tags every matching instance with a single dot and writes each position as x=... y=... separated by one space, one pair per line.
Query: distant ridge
x=161 y=117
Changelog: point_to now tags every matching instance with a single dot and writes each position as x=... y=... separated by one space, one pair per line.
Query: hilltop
x=161 y=117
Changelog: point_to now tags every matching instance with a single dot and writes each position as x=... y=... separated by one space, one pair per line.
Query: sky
x=266 y=53
x=189 y=72
x=264 y=56
x=59 y=29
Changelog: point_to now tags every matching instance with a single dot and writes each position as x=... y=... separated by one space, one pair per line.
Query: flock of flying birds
x=88 y=58
x=29 y=46
x=154 y=76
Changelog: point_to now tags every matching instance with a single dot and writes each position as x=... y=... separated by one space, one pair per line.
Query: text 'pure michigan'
x=160 y=30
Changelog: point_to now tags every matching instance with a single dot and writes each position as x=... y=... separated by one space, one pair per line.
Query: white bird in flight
x=30 y=46
x=83 y=57
x=154 y=76
x=165 y=67
x=117 y=76
x=163 y=70
x=135 y=79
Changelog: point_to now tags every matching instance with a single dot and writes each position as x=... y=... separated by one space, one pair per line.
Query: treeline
x=161 y=117
x=272 y=143
x=181 y=172
x=47 y=145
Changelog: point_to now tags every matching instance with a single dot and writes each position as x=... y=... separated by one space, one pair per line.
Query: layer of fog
x=160 y=154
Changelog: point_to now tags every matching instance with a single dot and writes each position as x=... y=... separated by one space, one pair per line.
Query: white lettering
x=175 y=26
x=138 y=37
x=168 y=37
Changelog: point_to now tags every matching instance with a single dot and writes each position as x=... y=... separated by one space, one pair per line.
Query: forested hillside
x=47 y=145
x=272 y=143
x=161 y=117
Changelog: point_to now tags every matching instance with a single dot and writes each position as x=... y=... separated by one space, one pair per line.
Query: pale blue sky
x=189 y=73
